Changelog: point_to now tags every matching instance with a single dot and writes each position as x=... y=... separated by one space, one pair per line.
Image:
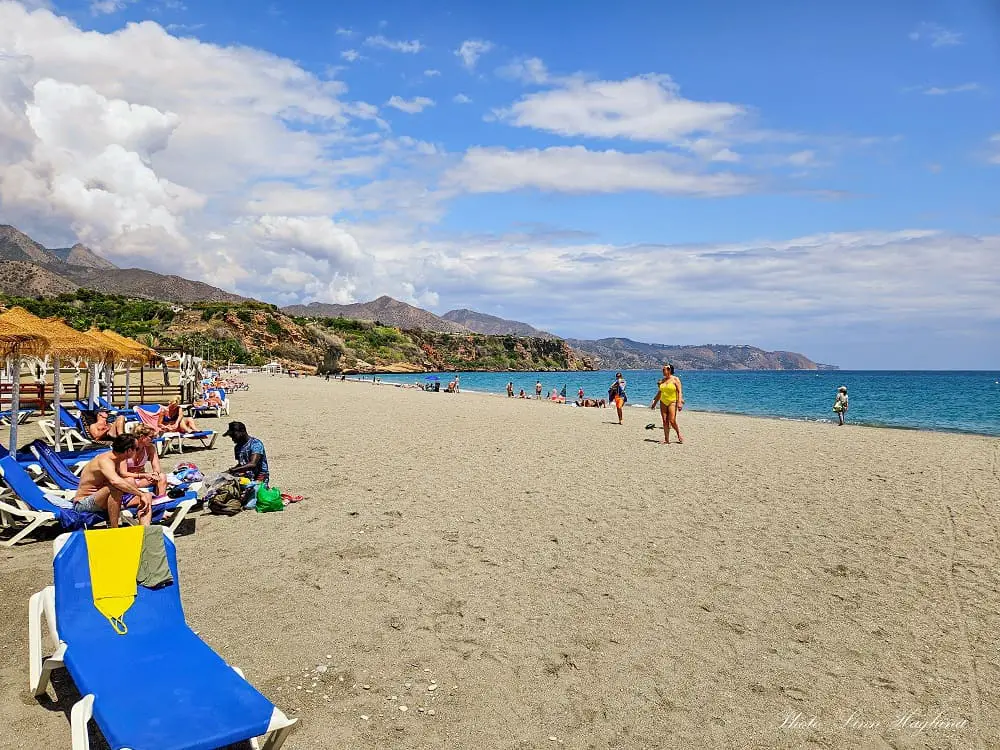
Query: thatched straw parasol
x=16 y=341
x=142 y=355
x=140 y=352
x=28 y=344
x=63 y=342
x=116 y=352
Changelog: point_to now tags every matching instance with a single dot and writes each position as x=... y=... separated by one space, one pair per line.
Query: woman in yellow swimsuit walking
x=671 y=398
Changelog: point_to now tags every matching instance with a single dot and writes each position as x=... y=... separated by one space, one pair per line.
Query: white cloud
x=350 y=55
x=944 y=90
x=526 y=70
x=410 y=106
x=143 y=145
x=806 y=158
x=106 y=7
x=471 y=50
x=936 y=35
x=644 y=108
x=341 y=31
x=409 y=47
x=431 y=73
x=994 y=156
x=711 y=149
x=183 y=28
x=461 y=99
x=574 y=169
x=807 y=289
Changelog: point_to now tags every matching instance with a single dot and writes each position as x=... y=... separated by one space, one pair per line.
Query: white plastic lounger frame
x=70 y=436
x=173 y=442
x=11 y=508
x=40 y=670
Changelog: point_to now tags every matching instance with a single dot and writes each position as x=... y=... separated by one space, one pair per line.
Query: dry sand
x=525 y=575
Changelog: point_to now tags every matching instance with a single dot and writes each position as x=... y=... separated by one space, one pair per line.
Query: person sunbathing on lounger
x=104 y=428
x=171 y=419
x=103 y=489
x=133 y=466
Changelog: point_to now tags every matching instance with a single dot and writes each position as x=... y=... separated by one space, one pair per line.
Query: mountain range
x=28 y=268
x=385 y=310
x=625 y=354
x=490 y=324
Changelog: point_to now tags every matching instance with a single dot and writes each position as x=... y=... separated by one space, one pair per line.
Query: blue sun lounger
x=174 y=441
x=34 y=506
x=65 y=479
x=39 y=507
x=102 y=403
x=190 y=698
x=22 y=416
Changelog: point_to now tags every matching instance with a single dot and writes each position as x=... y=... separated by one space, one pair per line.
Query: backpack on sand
x=227 y=499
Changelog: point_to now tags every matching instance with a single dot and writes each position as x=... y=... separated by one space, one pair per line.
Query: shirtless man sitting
x=102 y=488
x=104 y=428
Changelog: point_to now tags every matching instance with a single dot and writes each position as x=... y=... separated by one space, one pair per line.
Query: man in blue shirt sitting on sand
x=251 y=458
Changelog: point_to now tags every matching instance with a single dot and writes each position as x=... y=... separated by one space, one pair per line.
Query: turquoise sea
x=924 y=400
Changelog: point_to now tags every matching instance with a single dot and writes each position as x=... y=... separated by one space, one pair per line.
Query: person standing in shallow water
x=840 y=405
x=671 y=399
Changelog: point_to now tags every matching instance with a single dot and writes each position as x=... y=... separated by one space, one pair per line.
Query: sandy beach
x=519 y=574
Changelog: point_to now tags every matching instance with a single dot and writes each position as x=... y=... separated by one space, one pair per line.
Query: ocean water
x=926 y=400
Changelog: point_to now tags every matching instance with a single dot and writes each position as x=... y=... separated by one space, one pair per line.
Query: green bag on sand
x=269 y=499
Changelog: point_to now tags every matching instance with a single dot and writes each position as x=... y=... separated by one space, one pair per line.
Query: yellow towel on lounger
x=114 y=555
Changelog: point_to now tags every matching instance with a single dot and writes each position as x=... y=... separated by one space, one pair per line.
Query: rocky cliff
x=368 y=347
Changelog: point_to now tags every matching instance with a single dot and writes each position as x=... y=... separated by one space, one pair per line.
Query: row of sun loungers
x=73 y=432
x=38 y=507
x=191 y=698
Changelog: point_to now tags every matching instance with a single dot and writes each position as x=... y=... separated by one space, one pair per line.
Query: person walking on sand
x=538 y=389
x=671 y=399
x=840 y=405
x=616 y=393
x=510 y=389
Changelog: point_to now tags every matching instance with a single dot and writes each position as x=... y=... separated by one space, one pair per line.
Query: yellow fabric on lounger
x=114 y=556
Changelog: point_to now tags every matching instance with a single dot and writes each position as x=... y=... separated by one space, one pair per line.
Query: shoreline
x=777 y=417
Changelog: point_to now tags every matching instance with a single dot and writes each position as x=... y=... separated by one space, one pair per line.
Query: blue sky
x=797 y=175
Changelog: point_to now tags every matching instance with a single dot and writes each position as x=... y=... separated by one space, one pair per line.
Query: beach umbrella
x=115 y=352
x=63 y=342
x=140 y=354
x=16 y=342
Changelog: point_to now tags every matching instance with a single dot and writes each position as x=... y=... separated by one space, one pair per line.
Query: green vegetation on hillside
x=145 y=320
x=86 y=308
x=382 y=345
x=254 y=333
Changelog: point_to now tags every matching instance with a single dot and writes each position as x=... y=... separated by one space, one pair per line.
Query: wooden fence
x=37 y=396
